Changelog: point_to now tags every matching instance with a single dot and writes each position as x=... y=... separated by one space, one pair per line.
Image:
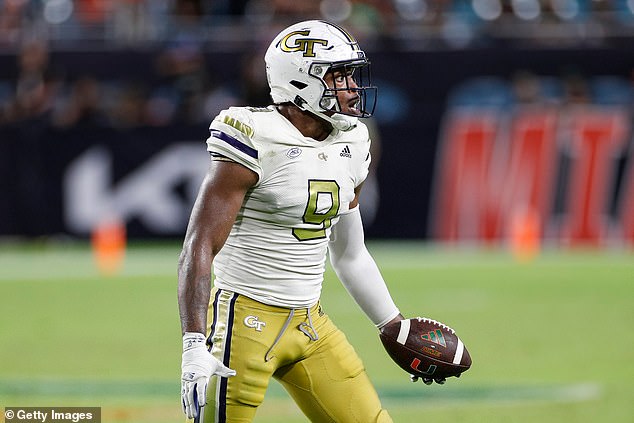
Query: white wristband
x=193 y=340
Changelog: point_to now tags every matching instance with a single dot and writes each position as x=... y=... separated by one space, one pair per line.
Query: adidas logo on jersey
x=346 y=152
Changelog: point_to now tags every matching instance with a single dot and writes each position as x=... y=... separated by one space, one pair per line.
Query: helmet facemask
x=359 y=70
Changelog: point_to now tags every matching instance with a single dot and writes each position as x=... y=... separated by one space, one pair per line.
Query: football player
x=282 y=190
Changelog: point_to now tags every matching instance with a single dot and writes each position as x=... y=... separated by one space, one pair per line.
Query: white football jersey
x=276 y=251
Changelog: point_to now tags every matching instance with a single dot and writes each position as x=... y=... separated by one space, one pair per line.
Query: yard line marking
x=167 y=388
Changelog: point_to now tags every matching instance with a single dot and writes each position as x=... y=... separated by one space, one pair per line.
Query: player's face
x=346 y=89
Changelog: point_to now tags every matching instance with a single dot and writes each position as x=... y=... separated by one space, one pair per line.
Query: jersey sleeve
x=231 y=135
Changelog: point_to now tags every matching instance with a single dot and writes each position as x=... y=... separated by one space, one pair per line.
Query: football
x=425 y=348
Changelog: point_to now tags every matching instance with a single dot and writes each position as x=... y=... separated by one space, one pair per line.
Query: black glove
x=429 y=380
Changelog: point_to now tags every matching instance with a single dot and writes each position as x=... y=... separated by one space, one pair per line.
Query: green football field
x=552 y=340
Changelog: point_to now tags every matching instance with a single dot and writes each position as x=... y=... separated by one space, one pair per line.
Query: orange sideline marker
x=525 y=234
x=109 y=245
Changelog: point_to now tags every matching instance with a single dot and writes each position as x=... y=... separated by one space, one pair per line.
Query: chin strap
x=338 y=121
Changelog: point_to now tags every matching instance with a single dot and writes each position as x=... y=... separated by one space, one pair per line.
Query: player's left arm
x=356 y=268
x=359 y=273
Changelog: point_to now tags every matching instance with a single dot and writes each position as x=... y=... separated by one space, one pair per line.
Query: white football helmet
x=301 y=55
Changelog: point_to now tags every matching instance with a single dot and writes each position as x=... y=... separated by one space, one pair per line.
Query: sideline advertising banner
x=469 y=146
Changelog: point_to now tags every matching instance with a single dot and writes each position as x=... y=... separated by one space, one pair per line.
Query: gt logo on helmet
x=307 y=45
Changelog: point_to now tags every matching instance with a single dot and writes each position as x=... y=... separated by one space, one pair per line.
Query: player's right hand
x=197 y=367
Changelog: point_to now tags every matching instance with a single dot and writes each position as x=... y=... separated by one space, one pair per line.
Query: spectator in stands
x=184 y=79
x=82 y=106
x=576 y=89
x=12 y=20
x=36 y=85
x=128 y=108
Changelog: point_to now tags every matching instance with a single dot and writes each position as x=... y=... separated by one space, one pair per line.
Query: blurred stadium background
x=501 y=198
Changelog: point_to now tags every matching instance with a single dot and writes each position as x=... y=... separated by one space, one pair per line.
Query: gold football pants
x=300 y=348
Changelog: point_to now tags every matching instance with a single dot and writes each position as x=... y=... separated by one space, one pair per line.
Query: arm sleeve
x=358 y=271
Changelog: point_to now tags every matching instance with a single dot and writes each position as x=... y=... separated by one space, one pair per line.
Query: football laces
x=435 y=322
